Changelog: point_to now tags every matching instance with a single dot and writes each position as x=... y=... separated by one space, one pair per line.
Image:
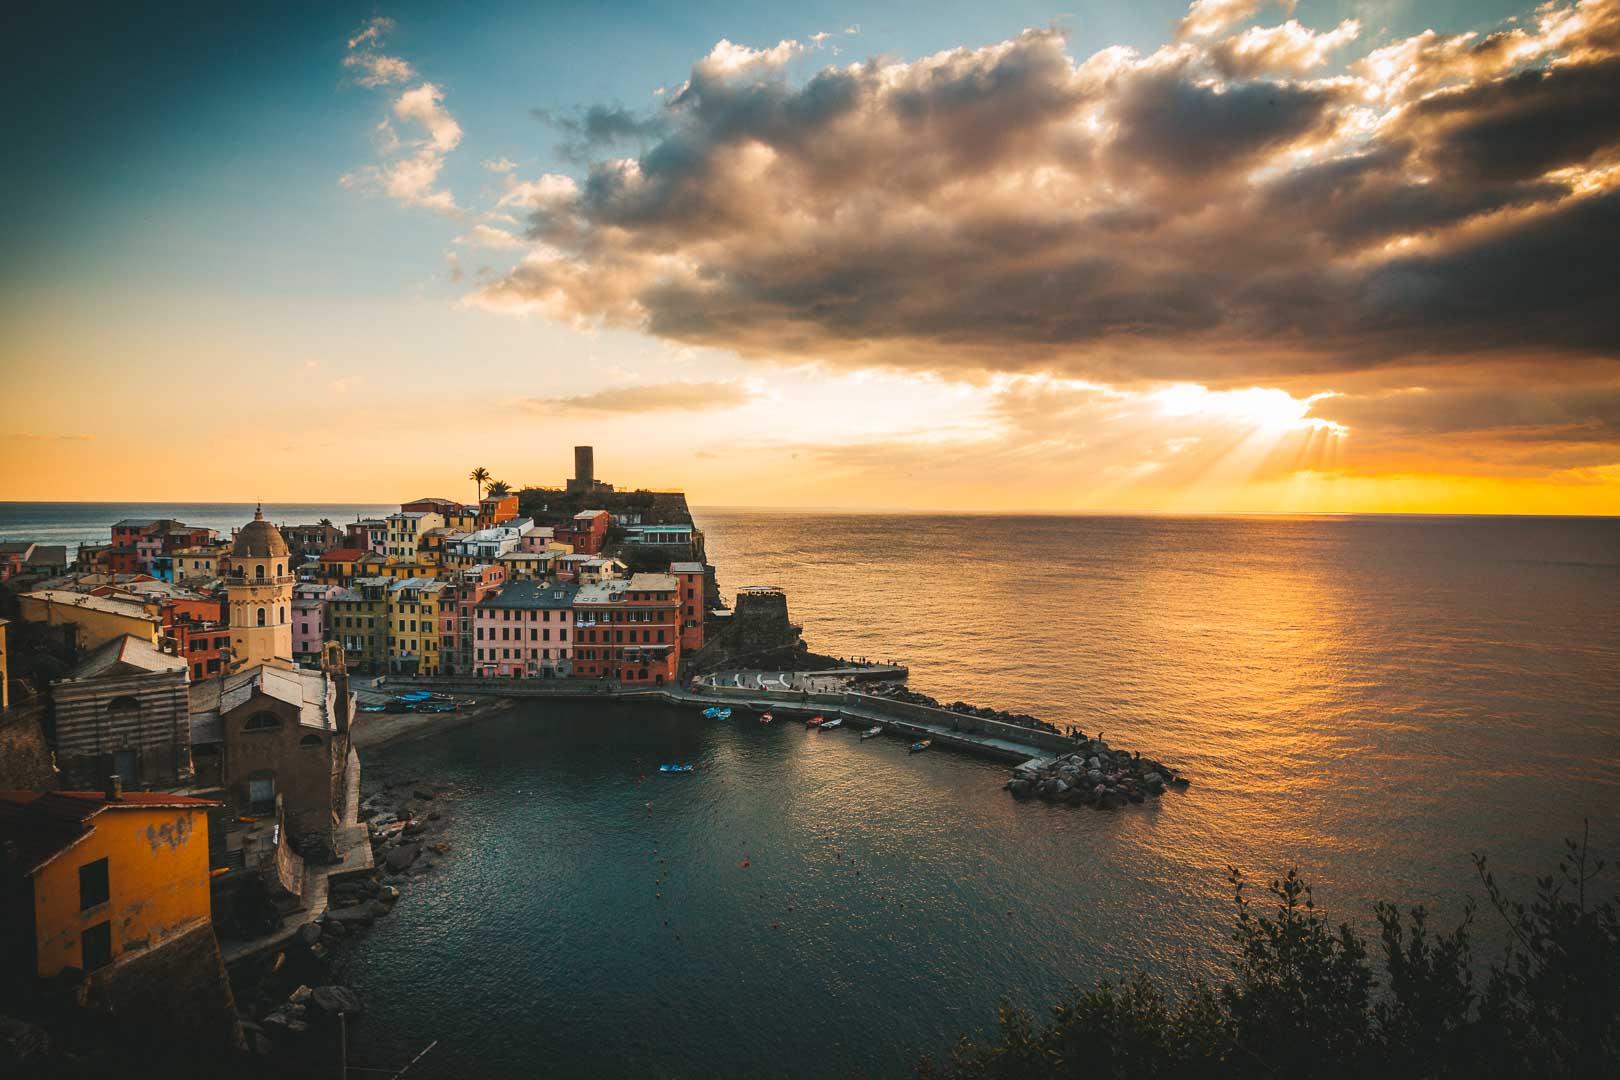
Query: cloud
x=1289 y=49
x=485 y=236
x=376 y=70
x=1207 y=18
x=501 y=165
x=1197 y=213
x=660 y=397
x=372 y=32
x=413 y=179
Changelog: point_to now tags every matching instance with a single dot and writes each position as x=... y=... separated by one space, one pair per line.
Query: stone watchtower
x=260 y=591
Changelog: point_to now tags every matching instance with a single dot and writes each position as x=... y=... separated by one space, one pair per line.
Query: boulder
x=257 y=1040
x=336 y=1000
x=399 y=860
x=300 y=996
x=1020 y=788
x=309 y=933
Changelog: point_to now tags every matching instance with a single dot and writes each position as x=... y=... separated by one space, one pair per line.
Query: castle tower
x=260 y=591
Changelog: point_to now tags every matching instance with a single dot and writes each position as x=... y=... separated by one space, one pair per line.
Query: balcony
x=267 y=580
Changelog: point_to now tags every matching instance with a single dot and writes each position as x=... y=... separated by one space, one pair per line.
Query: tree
x=326 y=523
x=498 y=489
x=479 y=476
x=1307 y=998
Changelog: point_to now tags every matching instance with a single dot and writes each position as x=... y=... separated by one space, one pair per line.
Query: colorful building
x=405 y=531
x=359 y=620
x=692 y=580
x=458 y=606
x=104 y=874
x=413 y=625
x=310 y=619
x=201 y=563
x=586 y=532
x=628 y=630
x=96 y=619
x=338 y=566
x=367 y=534
x=496 y=509
x=523 y=631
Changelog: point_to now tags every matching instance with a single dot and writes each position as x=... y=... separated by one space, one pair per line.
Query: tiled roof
x=125 y=655
x=531 y=594
x=342 y=555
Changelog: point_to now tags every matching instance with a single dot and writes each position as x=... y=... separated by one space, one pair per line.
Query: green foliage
x=1306 y=998
x=497 y=489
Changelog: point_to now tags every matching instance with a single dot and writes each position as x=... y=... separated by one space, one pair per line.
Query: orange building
x=494 y=509
x=628 y=630
x=97 y=876
x=689 y=576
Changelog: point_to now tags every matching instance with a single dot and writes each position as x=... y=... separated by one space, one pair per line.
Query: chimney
x=115 y=788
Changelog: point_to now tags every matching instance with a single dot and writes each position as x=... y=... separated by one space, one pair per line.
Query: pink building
x=535 y=540
x=309 y=620
x=457 y=605
x=523 y=631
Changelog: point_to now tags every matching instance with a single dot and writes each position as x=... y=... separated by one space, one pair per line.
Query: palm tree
x=325 y=522
x=498 y=489
x=478 y=476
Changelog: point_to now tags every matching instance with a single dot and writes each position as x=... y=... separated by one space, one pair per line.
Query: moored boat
x=675 y=768
x=765 y=718
x=872 y=733
x=836 y=721
x=714 y=712
x=814 y=722
x=921 y=744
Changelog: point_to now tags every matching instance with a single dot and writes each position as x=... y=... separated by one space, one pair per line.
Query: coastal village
x=181 y=813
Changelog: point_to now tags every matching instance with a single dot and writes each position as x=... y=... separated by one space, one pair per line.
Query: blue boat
x=676 y=768
x=714 y=712
x=921 y=745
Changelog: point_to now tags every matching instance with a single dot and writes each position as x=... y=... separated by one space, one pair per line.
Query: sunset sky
x=1244 y=256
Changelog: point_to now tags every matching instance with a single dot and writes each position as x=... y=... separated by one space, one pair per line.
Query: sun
x=1258 y=408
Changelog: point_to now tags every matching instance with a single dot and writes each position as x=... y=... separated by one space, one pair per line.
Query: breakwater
x=1053 y=766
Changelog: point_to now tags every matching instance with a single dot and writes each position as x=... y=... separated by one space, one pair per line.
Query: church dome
x=259 y=539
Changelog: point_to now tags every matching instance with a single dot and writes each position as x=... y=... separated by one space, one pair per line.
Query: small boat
x=675 y=768
x=836 y=721
x=814 y=722
x=872 y=733
x=372 y=708
x=922 y=745
x=765 y=718
x=714 y=712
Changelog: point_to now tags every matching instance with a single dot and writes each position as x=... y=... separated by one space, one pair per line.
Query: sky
x=1239 y=256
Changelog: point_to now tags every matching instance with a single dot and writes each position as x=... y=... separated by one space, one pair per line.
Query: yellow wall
x=5 y=694
x=95 y=627
x=157 y=883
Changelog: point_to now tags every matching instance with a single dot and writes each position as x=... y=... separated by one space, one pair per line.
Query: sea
x=1371 y=699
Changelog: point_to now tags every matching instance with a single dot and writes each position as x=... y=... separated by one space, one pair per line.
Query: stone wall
x=177 y=992
x=25 y=760
x=144 y=715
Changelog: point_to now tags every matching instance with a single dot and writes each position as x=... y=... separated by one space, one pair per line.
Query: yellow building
x=200 y=563
x=259 y=590
x=413 y=625
x=109 y=873
x=358 y=619
x=405 y=533
x=98 y=619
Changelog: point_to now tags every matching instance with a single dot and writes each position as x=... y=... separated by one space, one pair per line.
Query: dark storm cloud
x=1171 y=216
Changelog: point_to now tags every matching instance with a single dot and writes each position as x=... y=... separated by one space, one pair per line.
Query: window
x=310 y=740
x=562 y=634
x=261 y=616
x=262 y=721
x=93 y=885
x=95 y=947
x=258 y=572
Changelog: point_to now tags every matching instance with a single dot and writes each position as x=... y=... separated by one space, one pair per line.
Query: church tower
x=260 y=591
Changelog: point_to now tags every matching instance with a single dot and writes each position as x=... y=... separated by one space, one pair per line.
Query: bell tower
x=260 y=590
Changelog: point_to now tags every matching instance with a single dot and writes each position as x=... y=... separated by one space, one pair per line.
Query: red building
x=442 y=507
x=689 y=576
x=629 y=631
x=587 y=532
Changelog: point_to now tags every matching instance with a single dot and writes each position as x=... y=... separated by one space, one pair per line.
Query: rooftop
x=531 y=594
x=686 y=568
x=109 y=605
x=124 y=655
x=44 y=826
x=310 y=691
x=653 y=583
